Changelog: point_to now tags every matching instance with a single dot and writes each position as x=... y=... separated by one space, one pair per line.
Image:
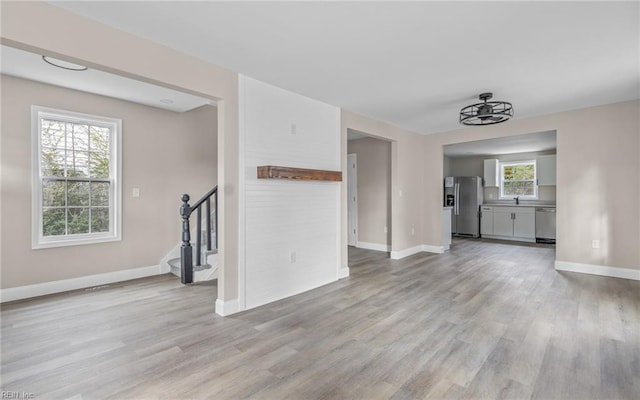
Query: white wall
x=283 y=216
x=446 y=167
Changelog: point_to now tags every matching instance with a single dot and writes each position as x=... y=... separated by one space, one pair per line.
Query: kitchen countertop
x=519 y=205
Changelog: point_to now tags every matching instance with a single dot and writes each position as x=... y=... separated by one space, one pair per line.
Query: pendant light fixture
x=487 y=112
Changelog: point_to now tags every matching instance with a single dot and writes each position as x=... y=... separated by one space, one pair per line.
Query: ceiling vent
x=487 y=112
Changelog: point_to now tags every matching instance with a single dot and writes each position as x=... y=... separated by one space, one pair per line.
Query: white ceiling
x=413 y=64
x=540 y=141
x=353 y=135
x=27 y=65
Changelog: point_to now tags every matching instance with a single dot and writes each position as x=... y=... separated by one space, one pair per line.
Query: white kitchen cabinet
x=503 y=221
x=491 y=173
x=546 y=170
x=513 y=223
x=446 y=227
x=524 y=223
x=486 y=220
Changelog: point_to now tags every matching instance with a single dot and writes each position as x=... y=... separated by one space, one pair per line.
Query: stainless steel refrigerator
x=465 y=195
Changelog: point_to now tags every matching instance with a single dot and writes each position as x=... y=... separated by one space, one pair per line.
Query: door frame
x=352 y=199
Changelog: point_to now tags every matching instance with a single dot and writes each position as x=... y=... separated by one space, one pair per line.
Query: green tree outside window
x=75 y=170
x=518 y=179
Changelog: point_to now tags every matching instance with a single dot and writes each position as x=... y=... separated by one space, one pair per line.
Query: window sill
x=48 y=244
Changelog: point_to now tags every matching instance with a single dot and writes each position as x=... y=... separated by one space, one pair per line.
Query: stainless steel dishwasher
x=545 y=224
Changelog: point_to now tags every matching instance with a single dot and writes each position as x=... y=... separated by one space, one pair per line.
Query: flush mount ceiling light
x=487 y=112
x=64 y=64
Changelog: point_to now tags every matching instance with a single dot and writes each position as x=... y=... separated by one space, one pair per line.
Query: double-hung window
x=518 y=179
x=76 y=178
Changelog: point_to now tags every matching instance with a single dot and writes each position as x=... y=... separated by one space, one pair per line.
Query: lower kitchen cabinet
x=524 y=224
x=509 y=223
x=503 y=221
x=486 y=220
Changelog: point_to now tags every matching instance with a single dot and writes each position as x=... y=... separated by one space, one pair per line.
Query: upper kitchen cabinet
x=491 y=173
x=546 y=170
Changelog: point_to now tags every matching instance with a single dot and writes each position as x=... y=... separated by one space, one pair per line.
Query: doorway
x=519 y=184
x=369 y=176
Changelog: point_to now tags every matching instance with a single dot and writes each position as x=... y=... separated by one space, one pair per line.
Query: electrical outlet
x=386 y=229
x=135 y=192
x=293 y=257
x=400 y=193
x=413 y=230
x=595 y=244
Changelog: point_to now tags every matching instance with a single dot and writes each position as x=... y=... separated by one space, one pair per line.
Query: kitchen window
x=518 y=179
x=76 y=193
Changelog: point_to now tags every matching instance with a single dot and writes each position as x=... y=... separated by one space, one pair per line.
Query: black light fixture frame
x=487 y=112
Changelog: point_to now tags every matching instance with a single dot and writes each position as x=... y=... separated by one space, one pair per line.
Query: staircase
x=206 y=272
x=180 y=261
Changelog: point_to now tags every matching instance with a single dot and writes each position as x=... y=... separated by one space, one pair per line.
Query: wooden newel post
x=186 y=254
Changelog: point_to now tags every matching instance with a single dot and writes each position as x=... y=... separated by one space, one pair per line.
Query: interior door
x=352 y=201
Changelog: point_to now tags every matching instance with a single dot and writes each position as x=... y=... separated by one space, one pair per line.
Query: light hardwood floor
x=486 y=320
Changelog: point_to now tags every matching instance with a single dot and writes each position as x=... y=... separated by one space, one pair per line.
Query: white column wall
x=283 y=217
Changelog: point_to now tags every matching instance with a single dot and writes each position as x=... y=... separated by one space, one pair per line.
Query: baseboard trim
x=400 y=254
x=226 y=308
x=343 y=272
x=602 y=270
x=65 y=285
x=373 y=246
x=433 y=249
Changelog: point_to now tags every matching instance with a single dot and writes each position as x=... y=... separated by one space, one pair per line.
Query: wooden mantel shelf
x=301 y=174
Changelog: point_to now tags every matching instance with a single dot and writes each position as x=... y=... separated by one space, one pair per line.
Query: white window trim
x=38 y=241
x=535 y=179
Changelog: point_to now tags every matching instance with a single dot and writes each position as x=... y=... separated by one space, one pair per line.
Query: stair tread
x=201 y=267
x=205 y=272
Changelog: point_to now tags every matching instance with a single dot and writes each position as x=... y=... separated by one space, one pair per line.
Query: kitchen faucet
x=517 y=199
